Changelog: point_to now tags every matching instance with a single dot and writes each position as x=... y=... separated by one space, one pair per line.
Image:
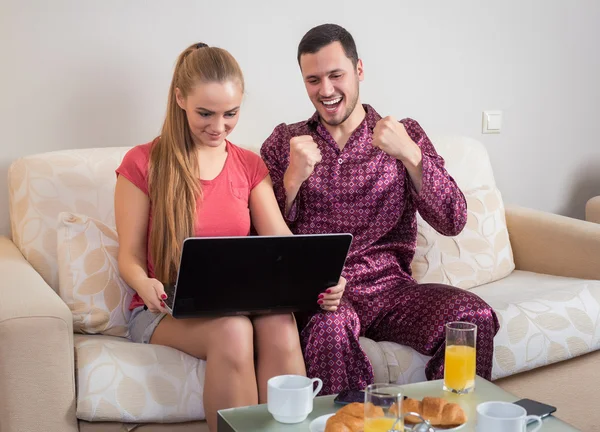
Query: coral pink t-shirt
x=223 y=210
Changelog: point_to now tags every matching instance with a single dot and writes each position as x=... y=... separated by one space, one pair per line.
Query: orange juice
x=382 y=424
x=459 y=367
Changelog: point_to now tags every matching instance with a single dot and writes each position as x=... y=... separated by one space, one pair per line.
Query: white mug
x=504 y=417
x=290 y=397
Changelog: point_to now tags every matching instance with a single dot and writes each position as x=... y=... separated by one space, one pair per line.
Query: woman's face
x=212 y=111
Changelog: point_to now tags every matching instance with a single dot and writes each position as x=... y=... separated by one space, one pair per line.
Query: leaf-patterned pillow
x=480 y=254
x=88 y=276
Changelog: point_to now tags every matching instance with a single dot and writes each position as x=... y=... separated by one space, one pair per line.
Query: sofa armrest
x=552 y=244
x=592 y=210
x=36 y=350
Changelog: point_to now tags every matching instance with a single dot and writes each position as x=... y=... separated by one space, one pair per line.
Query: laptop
x=220 y=276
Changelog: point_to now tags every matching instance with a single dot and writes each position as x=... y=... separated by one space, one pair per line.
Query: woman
x=191 y=181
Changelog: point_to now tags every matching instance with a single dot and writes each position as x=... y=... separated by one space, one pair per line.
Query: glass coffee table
x=258 y=419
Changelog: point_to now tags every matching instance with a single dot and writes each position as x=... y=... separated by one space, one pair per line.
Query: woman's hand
x=330 y=299
x=152 y=292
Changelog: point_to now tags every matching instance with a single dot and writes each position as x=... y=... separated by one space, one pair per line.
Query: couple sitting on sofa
x=345 y=169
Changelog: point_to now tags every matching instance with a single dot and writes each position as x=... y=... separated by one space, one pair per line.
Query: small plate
x=318 y=424
x=457 y=428
x=453 y=429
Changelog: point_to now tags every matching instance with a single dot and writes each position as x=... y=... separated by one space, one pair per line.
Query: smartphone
x=170 y=292
x=168 y=302
x=346 y=397
x=536 y=408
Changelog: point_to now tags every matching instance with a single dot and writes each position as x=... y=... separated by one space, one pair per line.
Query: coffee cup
x=504 y=417
x=290 y=397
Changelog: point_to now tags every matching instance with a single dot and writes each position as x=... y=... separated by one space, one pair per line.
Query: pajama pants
x=412 y=314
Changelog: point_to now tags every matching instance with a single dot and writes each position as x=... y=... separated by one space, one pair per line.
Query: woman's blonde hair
x=173 y=178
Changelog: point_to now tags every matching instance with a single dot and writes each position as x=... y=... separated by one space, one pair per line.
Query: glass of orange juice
x=383 y=408
x=459 y=363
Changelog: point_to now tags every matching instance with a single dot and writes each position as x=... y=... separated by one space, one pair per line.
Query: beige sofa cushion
x=543 y=319
x=481 y=253
x=89 y=281
x=119 y=380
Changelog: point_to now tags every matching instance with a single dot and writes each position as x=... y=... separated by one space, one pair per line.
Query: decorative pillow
x=132 y=382
x=88 y=276
x=481 y=253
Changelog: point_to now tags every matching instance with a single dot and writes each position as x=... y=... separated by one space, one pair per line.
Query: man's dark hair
x=320 y=36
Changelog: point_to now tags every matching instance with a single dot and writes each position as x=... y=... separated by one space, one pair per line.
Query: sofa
x=592 y=210
x=59 y=372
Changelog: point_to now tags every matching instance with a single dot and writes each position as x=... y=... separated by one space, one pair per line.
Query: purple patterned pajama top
x=364 y=191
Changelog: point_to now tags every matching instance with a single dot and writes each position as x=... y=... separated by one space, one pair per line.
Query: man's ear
x=179 y=98
x=360 y=71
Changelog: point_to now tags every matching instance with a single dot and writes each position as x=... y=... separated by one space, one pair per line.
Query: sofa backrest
x=43 y=185
x=82 y=181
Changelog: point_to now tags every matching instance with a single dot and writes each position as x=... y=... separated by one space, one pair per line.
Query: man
x=346 y=169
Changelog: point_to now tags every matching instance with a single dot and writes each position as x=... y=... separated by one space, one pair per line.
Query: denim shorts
x=143 y=323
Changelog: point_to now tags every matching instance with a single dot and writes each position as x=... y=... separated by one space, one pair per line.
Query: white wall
x=95 y=73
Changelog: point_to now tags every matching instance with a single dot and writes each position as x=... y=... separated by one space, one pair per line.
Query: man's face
x=331 y=82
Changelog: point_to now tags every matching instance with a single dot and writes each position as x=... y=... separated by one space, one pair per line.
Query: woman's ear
x=179 y=98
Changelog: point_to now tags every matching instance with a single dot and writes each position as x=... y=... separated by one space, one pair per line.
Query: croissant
x=438 y=411
x=351 y=418
x=344 y=423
